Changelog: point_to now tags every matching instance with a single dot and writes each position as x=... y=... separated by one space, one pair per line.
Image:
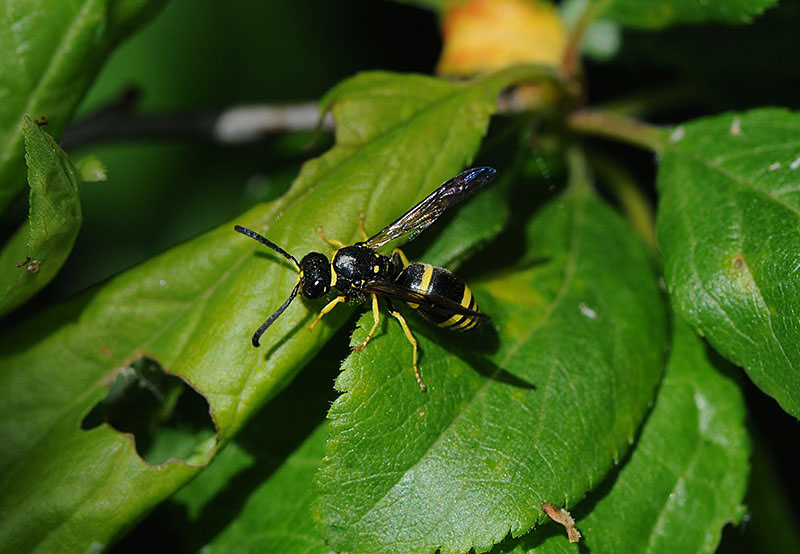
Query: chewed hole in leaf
x=167 y=418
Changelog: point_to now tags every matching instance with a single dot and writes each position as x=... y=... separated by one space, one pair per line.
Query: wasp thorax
x=359 y=264
x=316 y=275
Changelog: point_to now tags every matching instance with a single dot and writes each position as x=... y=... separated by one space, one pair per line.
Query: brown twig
x=616 y=126
x=572 y=53
x=562 y=516
x=237 y=125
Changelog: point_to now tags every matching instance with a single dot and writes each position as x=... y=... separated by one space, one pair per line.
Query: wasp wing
x=418 y=218
x=434 y=302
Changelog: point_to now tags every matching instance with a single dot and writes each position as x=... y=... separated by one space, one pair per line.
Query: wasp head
x=316 y=272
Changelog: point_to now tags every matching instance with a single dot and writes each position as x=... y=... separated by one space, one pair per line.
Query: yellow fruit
x=485 y=35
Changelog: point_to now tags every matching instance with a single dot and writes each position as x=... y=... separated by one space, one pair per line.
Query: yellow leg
x=402 y=255
x=413 y=342
x=361 y=219
x=376 y=318
x=331 y=305
x=332 y=242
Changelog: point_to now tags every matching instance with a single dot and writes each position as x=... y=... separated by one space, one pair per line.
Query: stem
x=529 y=87
x=580 y=178
x=236 y=125
x=241 y=125
x=615 y=126
x=572 y=52
x=636 y=206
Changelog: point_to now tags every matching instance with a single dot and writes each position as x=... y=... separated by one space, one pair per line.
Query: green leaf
x=479 y=220
x=727 y=226
x=41 y=245
x=193 y=309
x=687 y=475
x=537 y=412
x=276 y=517
x=255 y=496
x=657 y=14
x=52 y=52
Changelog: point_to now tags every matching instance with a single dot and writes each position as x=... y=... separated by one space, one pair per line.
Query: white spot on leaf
x=774 y=166
x=736 y=126
x=678 y=134
x=795 y=164
x=587 y=311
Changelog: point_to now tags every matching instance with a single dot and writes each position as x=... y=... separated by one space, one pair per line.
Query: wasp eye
x=314 y=289
x=316 y=275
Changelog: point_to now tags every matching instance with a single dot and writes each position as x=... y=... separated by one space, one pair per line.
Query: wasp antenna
x=264 y=326
x=266 y=242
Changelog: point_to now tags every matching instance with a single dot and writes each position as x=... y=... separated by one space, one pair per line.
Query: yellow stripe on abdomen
x=462 y=322
x=466 y=300
x=425 y=280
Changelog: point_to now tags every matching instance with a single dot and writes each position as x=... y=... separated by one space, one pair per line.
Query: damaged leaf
x=42 y=244
x=194 y=308
x=728 y=229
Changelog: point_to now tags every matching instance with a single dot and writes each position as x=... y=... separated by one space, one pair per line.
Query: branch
x=634 y=203
x=616 y=126
x=237 y=125
x=571 y=61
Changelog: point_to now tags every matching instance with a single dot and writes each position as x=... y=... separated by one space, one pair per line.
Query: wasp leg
x=361 y=219
x=400 y=254
x=376 y=318
x=413 y=342
x=332 y=242
x=331 y=305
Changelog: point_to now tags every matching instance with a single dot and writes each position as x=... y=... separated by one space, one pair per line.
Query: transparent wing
x=418 y=218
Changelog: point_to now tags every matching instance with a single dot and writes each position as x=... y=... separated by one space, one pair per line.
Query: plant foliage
x=606 y=381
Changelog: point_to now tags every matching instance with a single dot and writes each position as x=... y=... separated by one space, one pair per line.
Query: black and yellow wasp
x=359 y=272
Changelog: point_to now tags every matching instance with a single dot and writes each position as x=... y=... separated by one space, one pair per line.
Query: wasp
x=359 y=272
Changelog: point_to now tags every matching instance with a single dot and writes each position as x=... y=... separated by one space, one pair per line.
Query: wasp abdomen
x=434 y=281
